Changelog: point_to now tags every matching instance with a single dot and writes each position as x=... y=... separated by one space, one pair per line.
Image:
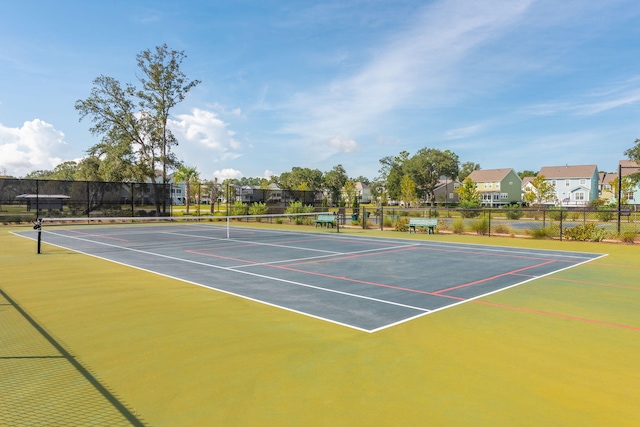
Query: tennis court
x=364 y=283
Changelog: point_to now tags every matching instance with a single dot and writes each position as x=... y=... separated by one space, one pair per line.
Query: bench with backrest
x=328 y=219
x=425 y=223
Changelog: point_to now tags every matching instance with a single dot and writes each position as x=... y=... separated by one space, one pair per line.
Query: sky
x=294 y=83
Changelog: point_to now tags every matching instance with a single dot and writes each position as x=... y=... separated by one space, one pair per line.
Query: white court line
x=223 y=268
x=249 y=242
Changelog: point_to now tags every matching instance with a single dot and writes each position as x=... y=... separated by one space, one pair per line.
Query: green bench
x=425 y=223
x=328 y=219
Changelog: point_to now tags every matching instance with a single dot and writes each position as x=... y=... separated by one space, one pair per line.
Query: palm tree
x=186 y=174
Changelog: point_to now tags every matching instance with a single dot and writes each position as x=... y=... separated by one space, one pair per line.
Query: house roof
x=608 y=178
x=629 y=167
x=563 y=172
x=489 y=175
x=527 y=179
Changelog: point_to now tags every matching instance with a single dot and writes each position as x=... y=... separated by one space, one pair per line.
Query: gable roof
x=527 y=179
x=629 y=167
x=489 y=175
x=566 y=172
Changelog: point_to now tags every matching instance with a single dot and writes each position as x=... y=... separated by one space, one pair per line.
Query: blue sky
x=514 y=83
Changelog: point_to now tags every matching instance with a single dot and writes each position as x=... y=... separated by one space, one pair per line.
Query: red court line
x=340 y=257
x=488 y=254
x=562 y=316
x=364 y=282
x=559 y=279
x=508 y=273
x=97 y=235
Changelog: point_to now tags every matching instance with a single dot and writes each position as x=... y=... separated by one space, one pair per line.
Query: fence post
x=561 y=216
x=381 y=217
x=489 y=222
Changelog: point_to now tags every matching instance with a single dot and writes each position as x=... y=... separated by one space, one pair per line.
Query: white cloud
x=227 y=174
x=343 y=144
x=205 y=128
x=36 y=145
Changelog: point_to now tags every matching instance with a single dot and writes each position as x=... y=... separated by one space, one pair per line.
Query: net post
x=37 y=225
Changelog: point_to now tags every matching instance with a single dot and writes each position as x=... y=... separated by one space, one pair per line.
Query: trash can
x=354 y=217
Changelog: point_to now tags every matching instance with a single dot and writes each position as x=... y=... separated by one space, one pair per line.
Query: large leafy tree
x=300 y=179
x=465 y=170
x=633 y=153
x=334 y=181
x=426 y=168
x=133 y=122
x=391 y=173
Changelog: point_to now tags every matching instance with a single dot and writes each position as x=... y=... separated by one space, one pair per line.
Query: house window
x=553 y=182
x=504 y=196
x=579 y=196
x=607 y=187
x=451 y=196
x=567 y=182
x=583 y=181
x=487 y=185
x=497 y=185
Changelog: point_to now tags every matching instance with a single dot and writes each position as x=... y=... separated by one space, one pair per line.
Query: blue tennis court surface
x=360 y=282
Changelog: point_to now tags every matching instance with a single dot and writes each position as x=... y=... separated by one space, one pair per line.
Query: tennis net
x=144 y=232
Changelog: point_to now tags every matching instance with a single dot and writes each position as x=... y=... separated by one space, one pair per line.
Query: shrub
x=513 y=212
x=238 y=208
x=470 y=209
x=402 y=224
x=558 y=213
x=544 y=232
x=628 y=237
x=584 y=233
x=605 y=213
x=298 y=207
x=387 y=221
x=480 y=226
x=458 y=226
x=502 y=229
x=258 y=209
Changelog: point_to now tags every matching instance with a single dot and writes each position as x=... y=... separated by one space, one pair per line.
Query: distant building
x=497 y=187
x=574 y=185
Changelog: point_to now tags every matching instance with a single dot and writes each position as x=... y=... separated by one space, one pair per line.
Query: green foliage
x=258 y=208
x=402 y=224
x=558 y=213
x=585 y=233
x=298 y=207
x=470 y=209
x=458 y=226
x=238 y=208
x=480 y=226
x=544 y=232
x=513 y=212
x=628 y=237
x=605 y=213
x=542 y=191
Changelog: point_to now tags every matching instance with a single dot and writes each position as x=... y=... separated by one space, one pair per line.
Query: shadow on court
x=44 y=384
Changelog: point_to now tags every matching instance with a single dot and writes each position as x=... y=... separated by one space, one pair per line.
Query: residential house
x=629 y=167
x=605 y=186
x=497 y=187
x=445 y=192
x=574 y=185
x=363 y=192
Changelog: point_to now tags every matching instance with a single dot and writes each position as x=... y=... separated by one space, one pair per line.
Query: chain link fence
x=25 y=200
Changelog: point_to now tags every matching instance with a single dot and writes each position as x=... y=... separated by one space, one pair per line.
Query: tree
x=391 y=172
x=633 y=154
x=469 y=198
x=541 y=192
x=426 y=168
x=526 y=173
x=627 y=188
x=350 y=192
x=334 y=180
x=133 y=122
x=189 y=175
x=298 y=178
x=465 y=170
x=408 y=190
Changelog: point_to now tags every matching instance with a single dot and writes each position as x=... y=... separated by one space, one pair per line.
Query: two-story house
x=497 y=187
x=574 y=185
x=629 y=167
